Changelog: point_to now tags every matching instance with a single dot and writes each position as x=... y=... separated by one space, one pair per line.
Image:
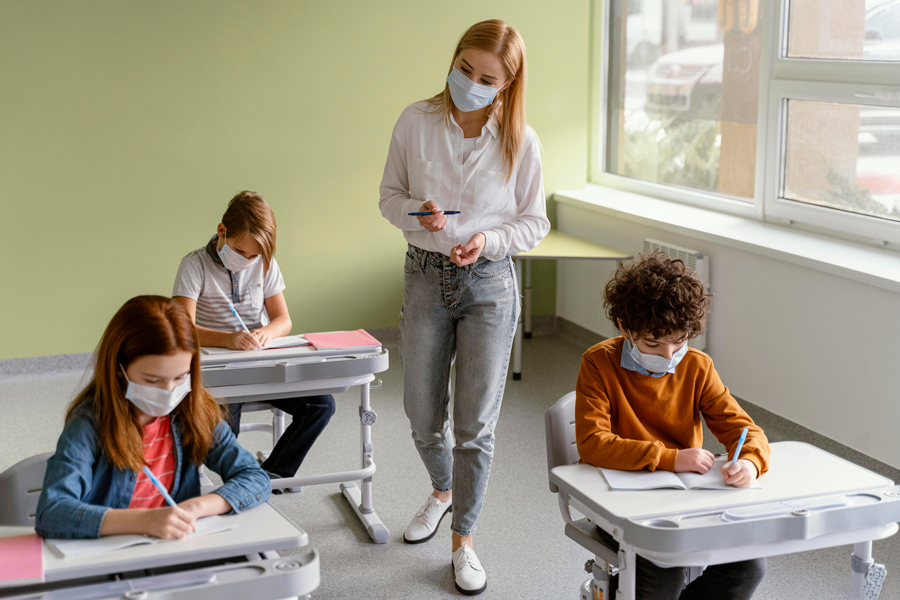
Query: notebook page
x=641 y=480
x=712 y=479
x=75 y=548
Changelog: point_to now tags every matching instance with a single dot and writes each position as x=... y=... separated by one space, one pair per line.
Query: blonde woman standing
x=467 y=149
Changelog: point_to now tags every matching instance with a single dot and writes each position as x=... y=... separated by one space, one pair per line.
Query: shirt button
x=235 y=285
x=133 y=477
x=259 y=496
x=241 y=506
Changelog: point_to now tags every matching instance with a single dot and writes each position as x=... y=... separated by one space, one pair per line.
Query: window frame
x=781 y=79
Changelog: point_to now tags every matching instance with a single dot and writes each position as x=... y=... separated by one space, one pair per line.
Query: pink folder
x=342 y=339
x=21 y=560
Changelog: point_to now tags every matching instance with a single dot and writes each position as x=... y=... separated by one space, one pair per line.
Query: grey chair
x=20 y=489
x=562 y=449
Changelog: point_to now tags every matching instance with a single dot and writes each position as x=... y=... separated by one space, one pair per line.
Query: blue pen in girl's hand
x=162 y=489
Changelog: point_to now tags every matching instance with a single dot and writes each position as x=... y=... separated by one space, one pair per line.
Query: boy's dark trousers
x=310 y=416
x=729 y=581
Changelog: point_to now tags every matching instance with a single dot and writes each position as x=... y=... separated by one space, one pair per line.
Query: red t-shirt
x=159 y=452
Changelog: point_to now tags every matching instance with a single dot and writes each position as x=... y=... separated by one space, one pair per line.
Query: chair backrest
x=559 y=423
x=20 y=489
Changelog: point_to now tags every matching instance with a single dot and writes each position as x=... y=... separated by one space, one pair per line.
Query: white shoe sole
x=434 y=531
x=463 y=591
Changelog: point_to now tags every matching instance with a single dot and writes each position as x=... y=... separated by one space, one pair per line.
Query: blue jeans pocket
x=413 y=263
x=485 y=269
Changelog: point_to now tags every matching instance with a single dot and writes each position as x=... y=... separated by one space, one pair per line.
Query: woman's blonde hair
x=248 y=213
x=504 y=42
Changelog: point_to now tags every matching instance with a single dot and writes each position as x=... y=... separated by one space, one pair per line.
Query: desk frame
x=646 y=533
x=556 y=246
x=359 y=497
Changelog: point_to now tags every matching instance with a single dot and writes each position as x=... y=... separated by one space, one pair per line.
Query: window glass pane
x=683 y=86
x=845 y=29
x=843 y=156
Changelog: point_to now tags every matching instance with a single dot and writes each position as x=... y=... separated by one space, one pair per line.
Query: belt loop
x=423 y=258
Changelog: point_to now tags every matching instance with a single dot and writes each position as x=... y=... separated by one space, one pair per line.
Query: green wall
x=126 y=127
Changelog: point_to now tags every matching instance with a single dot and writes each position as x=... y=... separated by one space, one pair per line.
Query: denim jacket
x=81 y=484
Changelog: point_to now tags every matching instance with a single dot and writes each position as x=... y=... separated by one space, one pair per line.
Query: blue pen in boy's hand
x=737 y=451
x=428 y=214
x=240 y=320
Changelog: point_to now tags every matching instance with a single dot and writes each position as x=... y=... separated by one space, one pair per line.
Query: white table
x=556 y=246
x=686 y=528
x=298 y=372
x=243 y=560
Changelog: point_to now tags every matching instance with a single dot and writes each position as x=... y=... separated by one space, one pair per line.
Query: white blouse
x=426 y=162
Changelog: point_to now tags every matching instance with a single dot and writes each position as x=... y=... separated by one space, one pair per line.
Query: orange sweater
x=629 y=421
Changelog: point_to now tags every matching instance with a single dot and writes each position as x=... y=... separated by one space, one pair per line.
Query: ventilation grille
x=690 y=257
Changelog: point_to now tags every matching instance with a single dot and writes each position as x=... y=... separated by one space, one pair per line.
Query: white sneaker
x=424 y=525
x=471 y=579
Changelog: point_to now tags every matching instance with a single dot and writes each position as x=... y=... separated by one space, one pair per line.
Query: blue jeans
x=310 y=416
x=469 y=313
x=729 y=581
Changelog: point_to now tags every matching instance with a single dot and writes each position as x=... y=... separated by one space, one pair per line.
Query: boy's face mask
x=233 y=261
x=655 y=363
x=156 y=402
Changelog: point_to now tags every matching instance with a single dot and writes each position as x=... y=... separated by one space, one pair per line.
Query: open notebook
x=77 y=548
x=655 y=480
x=288 y=341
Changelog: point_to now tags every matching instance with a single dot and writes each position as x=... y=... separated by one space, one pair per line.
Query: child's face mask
x=233 y=261
x=156 y=402
x=655 y=363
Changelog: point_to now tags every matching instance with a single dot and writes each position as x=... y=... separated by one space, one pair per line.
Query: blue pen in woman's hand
x=428 y=214
x=737 y=451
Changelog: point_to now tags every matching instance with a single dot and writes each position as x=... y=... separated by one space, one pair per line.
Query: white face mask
x=233 y=261
x=156 y=402
x=655 y=363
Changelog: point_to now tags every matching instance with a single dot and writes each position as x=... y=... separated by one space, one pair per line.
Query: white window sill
x=873 y=266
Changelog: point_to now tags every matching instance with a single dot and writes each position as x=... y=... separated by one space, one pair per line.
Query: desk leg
x=517 y=342
x=866 y=576
x=628 y=575
x=527 y=328
x=360 y=498
x=277 y=425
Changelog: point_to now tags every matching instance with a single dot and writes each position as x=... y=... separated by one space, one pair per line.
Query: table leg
x=517 y=342
x=866 y=576
x=628 y=575
x=527 y=324
x=360 y=498
x=277 y=425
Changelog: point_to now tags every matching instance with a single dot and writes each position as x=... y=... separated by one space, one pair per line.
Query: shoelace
x=467 y=558
x=426 y=510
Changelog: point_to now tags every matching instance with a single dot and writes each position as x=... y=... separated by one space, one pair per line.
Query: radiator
x=696 y=262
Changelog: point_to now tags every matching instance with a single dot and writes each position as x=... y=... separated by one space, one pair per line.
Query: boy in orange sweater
x=639 y=400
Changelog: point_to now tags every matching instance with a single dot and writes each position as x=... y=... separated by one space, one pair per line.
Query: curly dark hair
x=657 y=296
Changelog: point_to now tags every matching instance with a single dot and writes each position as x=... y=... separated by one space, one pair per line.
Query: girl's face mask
x=156 y=402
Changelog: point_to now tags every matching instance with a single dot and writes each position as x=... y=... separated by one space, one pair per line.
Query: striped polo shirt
x=202 y=277
x=159 y=453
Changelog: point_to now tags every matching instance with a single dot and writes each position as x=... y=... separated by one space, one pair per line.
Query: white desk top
x=797 y=470
x=260 y=529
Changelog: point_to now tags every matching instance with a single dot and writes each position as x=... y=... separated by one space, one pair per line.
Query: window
x=783 y=110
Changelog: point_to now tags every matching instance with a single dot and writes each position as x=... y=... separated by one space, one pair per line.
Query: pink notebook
x=21 y=560
x=342 y=339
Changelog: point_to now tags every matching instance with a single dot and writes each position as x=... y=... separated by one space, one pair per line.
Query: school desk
x=257 y=376
x=809 y=499
x=240 y=563
x=556 y=246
